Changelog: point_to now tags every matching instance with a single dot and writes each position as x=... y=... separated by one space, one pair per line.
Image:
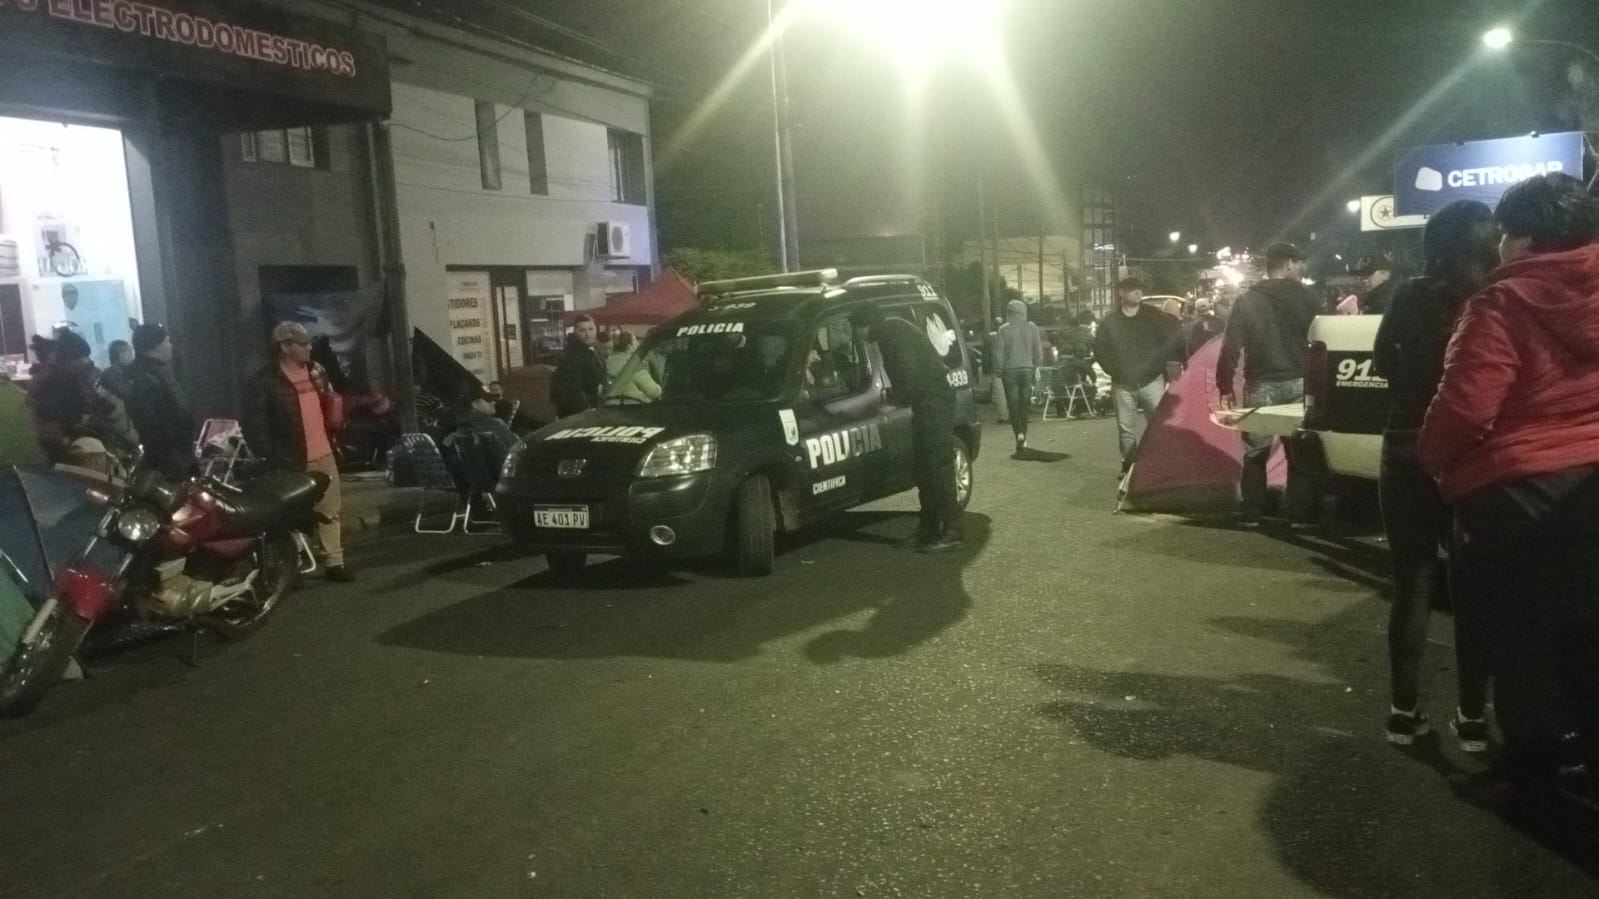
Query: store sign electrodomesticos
x=241 y=44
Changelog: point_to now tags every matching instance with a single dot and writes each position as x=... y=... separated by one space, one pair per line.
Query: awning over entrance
x=284 y=64
x=666 y=297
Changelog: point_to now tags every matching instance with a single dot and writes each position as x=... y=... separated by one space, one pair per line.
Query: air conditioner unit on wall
x=612 y=240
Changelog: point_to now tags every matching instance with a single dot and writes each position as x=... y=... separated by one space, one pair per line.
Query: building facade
x=345 y=165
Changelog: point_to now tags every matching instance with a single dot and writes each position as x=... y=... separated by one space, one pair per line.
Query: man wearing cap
x=1269 y=326
x=1134 y=343
x=156 y=404
x=1377 y=275
x=290 y=413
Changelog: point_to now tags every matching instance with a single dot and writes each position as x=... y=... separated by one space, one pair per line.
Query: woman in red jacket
x=1513 y=439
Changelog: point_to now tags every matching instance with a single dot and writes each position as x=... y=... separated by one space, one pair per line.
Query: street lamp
x=1175 y=236
x=1353 y=206
x=1498 y=38
x=1193 y=248
x=1501 y=37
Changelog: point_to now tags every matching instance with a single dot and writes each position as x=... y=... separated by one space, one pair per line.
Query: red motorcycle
x=199 y=553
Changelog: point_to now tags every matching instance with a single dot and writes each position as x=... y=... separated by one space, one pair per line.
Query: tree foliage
x=701 y=264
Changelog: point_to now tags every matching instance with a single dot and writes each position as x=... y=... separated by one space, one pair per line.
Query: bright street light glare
x=1175 y=236
x=1498 y=38
x=1352 y=206
x=1193 y=248
x=919 y=32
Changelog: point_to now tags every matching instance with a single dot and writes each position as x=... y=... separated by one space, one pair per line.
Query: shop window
x=488 y=145
x=537 y=171
x=627 y=167
x=299 y=147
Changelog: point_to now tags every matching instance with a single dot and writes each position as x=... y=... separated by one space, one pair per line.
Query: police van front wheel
x=750 y=529
x=963 y=473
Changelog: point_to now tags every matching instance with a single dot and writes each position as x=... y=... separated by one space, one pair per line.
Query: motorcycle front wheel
x=277 y=564
x=36 y=667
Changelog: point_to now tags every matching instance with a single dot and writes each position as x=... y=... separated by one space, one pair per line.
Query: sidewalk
x=371 y=504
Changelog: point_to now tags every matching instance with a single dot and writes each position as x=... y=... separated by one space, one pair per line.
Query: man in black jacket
x=919 y=379
x=156 y=403
x=287 y=421
x=580 y=377
x=1269 y=327
x=1133 y=346
x=1377 y=276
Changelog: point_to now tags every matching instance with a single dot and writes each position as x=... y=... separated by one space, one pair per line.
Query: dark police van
x=760 y=411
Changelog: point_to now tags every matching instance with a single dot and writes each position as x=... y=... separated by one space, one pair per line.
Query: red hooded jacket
x=1520 y=391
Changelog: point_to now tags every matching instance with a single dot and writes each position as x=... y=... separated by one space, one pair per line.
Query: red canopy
x=665 y=297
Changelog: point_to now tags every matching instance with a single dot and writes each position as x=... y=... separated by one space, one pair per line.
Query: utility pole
x=787 y=220
x=1000 y=311
x=982 y=249
x=1040 y=259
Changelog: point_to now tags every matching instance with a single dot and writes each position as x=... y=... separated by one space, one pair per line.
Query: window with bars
x=627 y=167
x=300 y=147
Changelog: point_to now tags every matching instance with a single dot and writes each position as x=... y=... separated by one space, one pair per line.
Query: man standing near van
x=919 y=380
x=1133 y=345
x=1269 y=327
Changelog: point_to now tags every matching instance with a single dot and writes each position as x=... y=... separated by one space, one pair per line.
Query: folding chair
x=433 y=476
x=479 y=464
x=220 y=449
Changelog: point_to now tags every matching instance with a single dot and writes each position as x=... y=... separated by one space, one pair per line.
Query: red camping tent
x=665 y=297
x=1186 y=463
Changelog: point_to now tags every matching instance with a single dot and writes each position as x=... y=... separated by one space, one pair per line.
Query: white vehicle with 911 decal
x=758 y=413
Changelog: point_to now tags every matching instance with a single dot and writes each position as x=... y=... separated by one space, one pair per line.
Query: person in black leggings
x=1460 y=245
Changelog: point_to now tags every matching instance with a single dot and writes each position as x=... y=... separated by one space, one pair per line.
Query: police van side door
x=897 y=471
x=837 y=418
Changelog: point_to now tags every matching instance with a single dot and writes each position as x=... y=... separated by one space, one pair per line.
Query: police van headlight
x=685 y=455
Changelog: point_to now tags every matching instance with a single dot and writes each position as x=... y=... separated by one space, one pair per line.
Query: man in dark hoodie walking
x=580 y=377
x=1513 y=438
x=1133 y=346
x=1268 y=327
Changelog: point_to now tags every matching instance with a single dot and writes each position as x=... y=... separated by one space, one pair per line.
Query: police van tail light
x=1316 y=382
x=685 y=455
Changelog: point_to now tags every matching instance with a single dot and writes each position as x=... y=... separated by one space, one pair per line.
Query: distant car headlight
x=685 y=455
x=138 y=524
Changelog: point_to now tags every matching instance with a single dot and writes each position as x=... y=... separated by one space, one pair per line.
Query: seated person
x=481 y=441
x=820 y=372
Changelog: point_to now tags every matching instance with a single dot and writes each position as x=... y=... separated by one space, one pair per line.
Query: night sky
x=1234 y=121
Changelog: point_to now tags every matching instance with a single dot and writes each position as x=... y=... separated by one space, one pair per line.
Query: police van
x=757 y=413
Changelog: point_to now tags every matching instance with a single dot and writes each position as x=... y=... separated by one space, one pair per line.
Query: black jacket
x=271 y=418
x=1134 y=350
x=578 y=379
x=1410 y=346
x=161 y=414
x=916 y=373
x=1377 y=301
x=1269 y=326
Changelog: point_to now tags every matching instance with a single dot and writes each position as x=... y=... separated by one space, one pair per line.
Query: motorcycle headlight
x=685 y=455
x=138 y=524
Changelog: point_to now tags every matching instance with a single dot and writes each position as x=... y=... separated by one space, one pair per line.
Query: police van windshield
x=706 y=362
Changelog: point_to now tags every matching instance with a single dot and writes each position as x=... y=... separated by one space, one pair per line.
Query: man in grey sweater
x=1020 y=349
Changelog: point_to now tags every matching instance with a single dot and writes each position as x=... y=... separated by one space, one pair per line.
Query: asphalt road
x=1081 y=704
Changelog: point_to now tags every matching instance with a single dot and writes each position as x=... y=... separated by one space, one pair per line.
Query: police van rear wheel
x=750 y=545
x=963 y=473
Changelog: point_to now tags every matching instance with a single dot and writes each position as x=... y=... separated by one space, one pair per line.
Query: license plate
x=569 y=517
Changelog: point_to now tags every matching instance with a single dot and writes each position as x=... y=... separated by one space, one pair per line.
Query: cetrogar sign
x=1426 y=179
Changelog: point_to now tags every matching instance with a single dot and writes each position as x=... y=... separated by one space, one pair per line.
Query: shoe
x=1405 y=727
x=338 y=574
x=1471 y=732
x=1247 y=520
x=940 y=544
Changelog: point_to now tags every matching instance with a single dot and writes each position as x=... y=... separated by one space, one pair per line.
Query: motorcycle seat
x=271 y=498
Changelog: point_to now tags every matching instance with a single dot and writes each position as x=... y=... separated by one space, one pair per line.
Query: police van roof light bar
x=883 y=279
x=816 y=278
